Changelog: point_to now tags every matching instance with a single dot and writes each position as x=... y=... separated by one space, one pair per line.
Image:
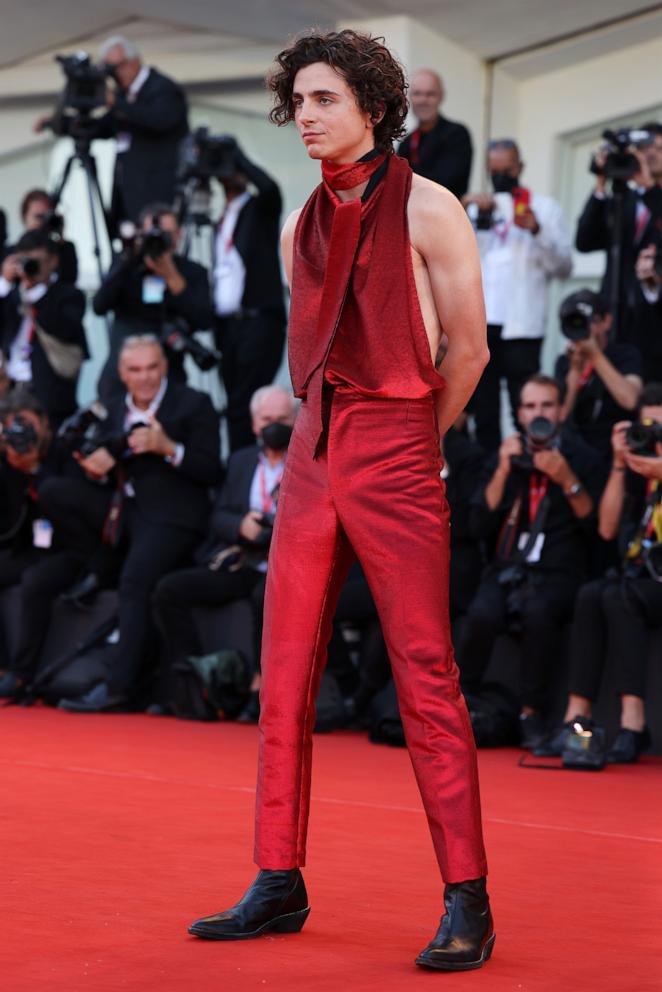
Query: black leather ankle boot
x=276 y=902
x=466 y=935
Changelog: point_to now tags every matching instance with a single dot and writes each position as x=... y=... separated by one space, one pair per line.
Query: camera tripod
x=84 y=156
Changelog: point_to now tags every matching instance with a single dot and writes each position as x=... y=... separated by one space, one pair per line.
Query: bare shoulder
x=289 y=227
x=432 y=209
x=287 y=242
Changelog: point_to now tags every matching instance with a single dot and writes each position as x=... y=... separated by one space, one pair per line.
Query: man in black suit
x=147 y=497
x=248 y=291
x=41 y=325
x=438 y=149
x=149 y=118
x=640 y=217
x=152 y=290
x=233 y=562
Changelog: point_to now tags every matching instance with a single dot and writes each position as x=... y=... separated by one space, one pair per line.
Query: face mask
x=276 y=436
x=502 y=182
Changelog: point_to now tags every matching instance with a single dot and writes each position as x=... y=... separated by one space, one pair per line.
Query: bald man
x=438 y=149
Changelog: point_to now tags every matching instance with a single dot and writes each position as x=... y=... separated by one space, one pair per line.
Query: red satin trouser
x=374 y=492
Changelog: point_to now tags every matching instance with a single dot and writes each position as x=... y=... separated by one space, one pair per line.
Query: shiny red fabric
x=355 y=312
x=349 y=175
x=374 y=490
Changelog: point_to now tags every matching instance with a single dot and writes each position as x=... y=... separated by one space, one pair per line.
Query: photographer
x=538 y=503
x=633 y=161
x=602 y=377
x=32 y=554
x=153 y=290
x=146 y=498
x=614 y=615
x=648 y=313
x=37 y=214
x=524 y=244
x=41 y=325
x=233 y=561
x=248 y=289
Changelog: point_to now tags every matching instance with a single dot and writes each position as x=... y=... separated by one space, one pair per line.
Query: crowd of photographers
x=557 y=527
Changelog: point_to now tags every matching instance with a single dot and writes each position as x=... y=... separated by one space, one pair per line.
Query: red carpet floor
x=117 y=831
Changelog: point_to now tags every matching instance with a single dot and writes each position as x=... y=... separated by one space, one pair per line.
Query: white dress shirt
x=19 y=366
x=229 y=268
x=518 y=266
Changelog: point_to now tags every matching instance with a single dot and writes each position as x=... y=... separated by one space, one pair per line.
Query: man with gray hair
x=148 y=117
x=438 y=149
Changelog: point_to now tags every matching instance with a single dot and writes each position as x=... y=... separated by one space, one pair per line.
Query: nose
x=307 y=112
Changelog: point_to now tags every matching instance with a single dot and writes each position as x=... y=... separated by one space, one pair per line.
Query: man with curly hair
x=381 y=263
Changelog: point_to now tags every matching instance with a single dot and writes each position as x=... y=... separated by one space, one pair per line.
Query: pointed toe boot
x=465 y=938
x=276 y=902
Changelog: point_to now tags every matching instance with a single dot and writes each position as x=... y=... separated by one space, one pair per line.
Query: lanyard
x=414 y=143
x=537 y=491
x=267 y=497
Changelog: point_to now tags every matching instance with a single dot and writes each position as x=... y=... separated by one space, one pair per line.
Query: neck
x=232 y=194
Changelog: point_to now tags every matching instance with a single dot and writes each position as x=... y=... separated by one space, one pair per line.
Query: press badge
x=153 y=289
x=534 y=554
x=42 y=534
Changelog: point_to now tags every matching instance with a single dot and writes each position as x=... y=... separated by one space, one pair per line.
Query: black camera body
x=20 y=435
x=204 y=156
x=82 y=431
x=83 y=100
x=30 y=266
x=175 y=335
x=620 y=163
x=540 y=435
x=642 y=438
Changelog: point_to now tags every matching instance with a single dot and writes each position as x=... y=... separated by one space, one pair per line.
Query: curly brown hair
x=375 y=77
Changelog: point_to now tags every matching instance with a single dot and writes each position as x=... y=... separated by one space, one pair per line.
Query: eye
x=324 y=99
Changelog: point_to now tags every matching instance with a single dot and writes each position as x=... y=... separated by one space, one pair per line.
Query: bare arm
x=442 y=234
x=613 y=497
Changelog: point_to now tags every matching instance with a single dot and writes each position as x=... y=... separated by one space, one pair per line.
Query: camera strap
x=650 y=524
x=510 y=528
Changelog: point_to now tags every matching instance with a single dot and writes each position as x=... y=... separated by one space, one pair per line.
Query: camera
x=577 y=312
x=81 y=432
x=204 y=156
x=175 y=336
x=138 y=244
x=620 y=164
x=84 y=93
x=641 y=438
x=30 y=266
x=540 y=435
x=20 y=435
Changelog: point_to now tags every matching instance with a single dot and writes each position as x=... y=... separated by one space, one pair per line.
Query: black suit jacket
x=232 y=502
x=594 y=233
x=445 y=155
x=157 y=121
x=60 y=313
x=256 y=238
x=177 y=496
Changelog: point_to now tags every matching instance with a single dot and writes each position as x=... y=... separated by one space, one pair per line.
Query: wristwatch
x=576 y=489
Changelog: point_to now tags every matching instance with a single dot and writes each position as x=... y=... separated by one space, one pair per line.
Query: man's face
x=141 y=369
x=24 y=460
x=276 y=408
x=653 y=155
x=425 y=95
x=653 y=413
x=125 y=70
x=328 y=117
x=167 y=223
x=538 y=400
x=504 y=160
x=36 y=214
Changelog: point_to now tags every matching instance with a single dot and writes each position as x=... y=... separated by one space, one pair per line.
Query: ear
x=377 y=116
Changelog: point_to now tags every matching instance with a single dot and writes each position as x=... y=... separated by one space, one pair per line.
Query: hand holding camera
x=97 y=465
x=552 y=463
x=12 y=270
x=151 y=439
x=251 y=526
x=511 y=447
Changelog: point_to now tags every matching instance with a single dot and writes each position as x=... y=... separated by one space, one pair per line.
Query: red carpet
x=118 y=830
